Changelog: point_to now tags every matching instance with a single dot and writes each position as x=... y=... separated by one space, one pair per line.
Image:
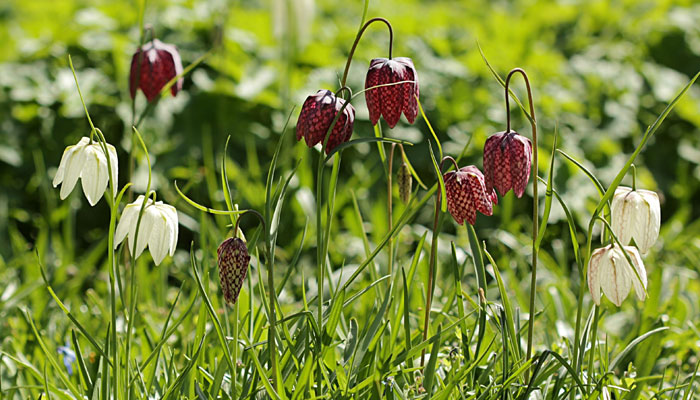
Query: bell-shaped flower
x=158 y=228
x=233 y=265
x=466 y=194
x=392 y=99
x=636 y=214
x=159 y=63
x=88 y=162
x=609 y=272
x=507 y=160
x=317 y=115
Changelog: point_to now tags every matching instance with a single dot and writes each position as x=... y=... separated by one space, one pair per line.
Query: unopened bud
x=405 y=182
x=233 y=266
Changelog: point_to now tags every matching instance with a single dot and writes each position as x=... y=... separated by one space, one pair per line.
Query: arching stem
x=535 y=198
x=357 y=41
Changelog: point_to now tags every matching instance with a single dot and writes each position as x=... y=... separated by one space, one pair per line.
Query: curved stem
x=357 y=40
x=535 y=198
x=448 y=158
x=344 y=89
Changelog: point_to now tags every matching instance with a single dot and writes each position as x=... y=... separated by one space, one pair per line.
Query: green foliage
x=602 y=72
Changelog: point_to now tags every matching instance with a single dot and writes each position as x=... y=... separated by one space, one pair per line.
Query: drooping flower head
x=316 y=117
x=507 y=161
x=158 y=228
x=636 y=214
x=160 y=62
x=233 y=265
x=610 y=272
x=466 y=194
x=391 y=100
x=88 y=162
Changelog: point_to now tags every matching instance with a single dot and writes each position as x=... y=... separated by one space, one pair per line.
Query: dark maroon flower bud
x=466 y=194
x=160 y=62
x=233 y=266
x=507 y=159
x=391 y=100
x=316 y=117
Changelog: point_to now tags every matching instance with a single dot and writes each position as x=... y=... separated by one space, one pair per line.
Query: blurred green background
x=601 y=73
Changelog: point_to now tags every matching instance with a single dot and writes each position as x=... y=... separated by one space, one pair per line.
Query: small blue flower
x=68 y=357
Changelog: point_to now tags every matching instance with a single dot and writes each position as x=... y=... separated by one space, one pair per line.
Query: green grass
x=141 y=331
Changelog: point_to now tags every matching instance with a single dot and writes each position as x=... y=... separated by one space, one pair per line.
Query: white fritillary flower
x=158 y=228
x=609 y=272
x=636 y=214
x=86 y=161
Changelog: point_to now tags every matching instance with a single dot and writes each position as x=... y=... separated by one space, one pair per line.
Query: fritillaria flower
x=507 y=160
x=160 y=62
x=610 y=272
x=158 y=228
x=233 y=266
x=636 y=214
x=391 y=100
x=466 y=194
x=317 y=115
x=88 y=162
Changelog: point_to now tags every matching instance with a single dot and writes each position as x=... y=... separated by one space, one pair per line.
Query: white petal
x=651 y=210
x=73 y=168
x=128 y=217
x=639 y=285
x=615 y=276
x=58 y=178
x=173 y=226
x=594 y=274
x=94 y=175
x=621 y=223
x=145 y=227
x=160 y=236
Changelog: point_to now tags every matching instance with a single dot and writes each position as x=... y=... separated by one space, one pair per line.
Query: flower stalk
x=535 y=198
x=357 y=41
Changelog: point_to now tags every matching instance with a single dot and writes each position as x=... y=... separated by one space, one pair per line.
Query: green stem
x=431 y=276
x=535 y=204
x=594 y=334
x=357 y=41
x=389 y=208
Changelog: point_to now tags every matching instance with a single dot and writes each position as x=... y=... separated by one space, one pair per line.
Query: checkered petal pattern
x=507 y=161
x=390 y=101
x=466 y=194
x=160 y=62
x=233 y=266
x=317 y=115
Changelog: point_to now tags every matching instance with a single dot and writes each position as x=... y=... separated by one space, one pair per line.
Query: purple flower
x=391 y=100
x=160 y=62
x=466 y=194
x=317 y=115
x=507 y=160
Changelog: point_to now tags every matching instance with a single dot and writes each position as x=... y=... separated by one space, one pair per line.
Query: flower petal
x=145 y=227
x=160 y=235
x=594 y=274
x=128 y=218
x=94 y=175
x=74 y=166
x=615 y=276
x=640 y=283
